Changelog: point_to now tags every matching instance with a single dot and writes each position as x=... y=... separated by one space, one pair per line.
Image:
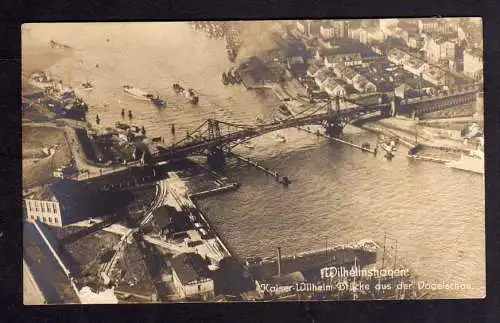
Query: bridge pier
x=216 y=158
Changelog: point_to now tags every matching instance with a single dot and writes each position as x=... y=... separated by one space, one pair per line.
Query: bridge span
x=214 y=137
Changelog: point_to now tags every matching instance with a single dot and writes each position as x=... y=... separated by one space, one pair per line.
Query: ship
x=41 y=81
x=474 y=162
x=157 y=101
x=190 y=94
x=137 y=93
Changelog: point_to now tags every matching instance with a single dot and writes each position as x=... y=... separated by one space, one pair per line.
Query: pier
x=317 y=133
x=428 y=158
x=266 y=170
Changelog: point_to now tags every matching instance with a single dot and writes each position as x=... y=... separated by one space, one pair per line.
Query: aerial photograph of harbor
x=244 y=161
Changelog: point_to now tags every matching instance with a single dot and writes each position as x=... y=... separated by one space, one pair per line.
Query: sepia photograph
x=253 y=161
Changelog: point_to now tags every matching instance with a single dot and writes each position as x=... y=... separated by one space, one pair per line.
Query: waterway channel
x=338 y=194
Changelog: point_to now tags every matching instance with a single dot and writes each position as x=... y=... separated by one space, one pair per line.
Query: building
x=349 y=75
x=362 y=85
x=335 y=29
x=44 y=207
x=333 y=88
x=302 y=26
x=66 y=201
x=415 y=41
x=437 y=77
x=297 y=66
x=322 y=75
x=415 y=66
x=312 y=69
x=397 y=56
x=352 y=59
x=191 y=277
x=386 y=24
x=473 y=63
x=437 y=25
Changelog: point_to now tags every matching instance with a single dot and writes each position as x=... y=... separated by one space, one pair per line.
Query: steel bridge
x=214 y=137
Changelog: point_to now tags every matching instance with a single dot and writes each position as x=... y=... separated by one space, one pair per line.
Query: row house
x=333 y=88
x=397 y=56
x=312 y=69
x=437 y=25
x=349 y=75
x=363 y=85
x=436 y=76
x=353 y=59
x=322 y=75
x=368 y=36
x=415 y=66
x=335 y=29
x=437 y=49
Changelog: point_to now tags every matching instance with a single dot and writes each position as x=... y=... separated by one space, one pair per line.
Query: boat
x=231 y=54
x=157 y=101
x=41 y=81
x=87 y=86
x=280 y=137
x=249 y=146
x=137 y=93
x=190 y=94
x=474 y=162
x=225 y=80
x=285 y=181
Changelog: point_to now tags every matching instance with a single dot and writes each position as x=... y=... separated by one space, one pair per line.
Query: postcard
x=248 y=161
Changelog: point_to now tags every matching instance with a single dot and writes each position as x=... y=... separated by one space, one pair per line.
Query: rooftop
x=189 y=267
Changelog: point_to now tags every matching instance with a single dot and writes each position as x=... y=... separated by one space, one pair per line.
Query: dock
x=213 y=191
x=427 y=158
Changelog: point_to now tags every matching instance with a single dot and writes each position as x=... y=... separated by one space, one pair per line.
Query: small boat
x=231 y=54
x=87 y=86
x=225 y=80
x=137 y=93
x=280 y=137
x=259 y=120
x=190 y=94
x=157 y=101
x=285 y=181
x=177 y=88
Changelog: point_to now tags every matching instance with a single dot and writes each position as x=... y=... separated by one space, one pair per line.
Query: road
x=32 y=295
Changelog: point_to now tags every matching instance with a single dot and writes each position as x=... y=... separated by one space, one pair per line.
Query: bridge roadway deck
x=255 y=131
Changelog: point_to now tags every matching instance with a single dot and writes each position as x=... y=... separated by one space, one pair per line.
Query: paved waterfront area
x=52 y=281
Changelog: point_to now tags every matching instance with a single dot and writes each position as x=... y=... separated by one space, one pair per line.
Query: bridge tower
x=333 y=124
x=215 y=158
